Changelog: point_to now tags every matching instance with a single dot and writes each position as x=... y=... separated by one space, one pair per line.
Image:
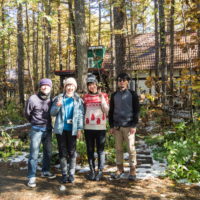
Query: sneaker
x=64 y=178
x=71 y=178
x=32 y=182
x=48 y=175
x=117 y=176
x=132 y=177
x=99 y=175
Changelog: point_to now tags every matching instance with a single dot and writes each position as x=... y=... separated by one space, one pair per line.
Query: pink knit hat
x=70 y=80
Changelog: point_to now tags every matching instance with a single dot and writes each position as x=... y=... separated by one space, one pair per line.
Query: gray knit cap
x=92 y=79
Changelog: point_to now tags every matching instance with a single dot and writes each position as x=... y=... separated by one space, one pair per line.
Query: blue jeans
x=36 y=137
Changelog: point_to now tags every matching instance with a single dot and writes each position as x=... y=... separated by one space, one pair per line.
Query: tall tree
x=198 y=31
x=156 y=45
x=162 y=48
x=47 y=6
x=34 y=49
x=99 y=32
x=113 y=67
x=119 y=36
x=28 y=49
x=171 y=50
x=89 y=24
x=69 y=46
x=3 y=88
x=72 y=26
x=81 y=43
x=20 y=56
x=59 y=40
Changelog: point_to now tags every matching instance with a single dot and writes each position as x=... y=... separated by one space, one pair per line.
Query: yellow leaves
x=118 y=31
x=149 y=81
x=150 y=97
x=185 y=71
x=196 y=87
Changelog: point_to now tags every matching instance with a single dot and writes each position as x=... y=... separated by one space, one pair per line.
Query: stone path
x=147 y=167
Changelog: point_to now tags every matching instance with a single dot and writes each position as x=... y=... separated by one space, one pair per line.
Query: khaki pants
x=123 y=135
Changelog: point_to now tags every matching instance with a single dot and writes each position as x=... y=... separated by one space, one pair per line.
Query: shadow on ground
x=13 y=186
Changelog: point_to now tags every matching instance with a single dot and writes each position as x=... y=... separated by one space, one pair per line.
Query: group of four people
x=72 y=115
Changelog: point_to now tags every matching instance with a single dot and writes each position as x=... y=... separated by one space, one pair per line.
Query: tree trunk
x=28 y=50
x=34 y=50
x=43 y=43
x=162 y=49
x=113 y=72
x=81 y=43
x=156 y=38
x=157 y=47
x=3 y=88
x=132 y=20
x=72 y=21
x=37 y=46
x=69 y=48
x=59 y=41
x=47 y=39
x=20 y=56
x=198 y=31
x=120 y=42
x=89 y=25
x=99 y=32
x=171 y=50
x=128 y=45
x=42 y=48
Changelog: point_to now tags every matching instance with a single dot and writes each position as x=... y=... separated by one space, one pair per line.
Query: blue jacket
x=78 y=115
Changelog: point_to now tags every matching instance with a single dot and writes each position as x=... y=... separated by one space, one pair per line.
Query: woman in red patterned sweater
x=96 y=109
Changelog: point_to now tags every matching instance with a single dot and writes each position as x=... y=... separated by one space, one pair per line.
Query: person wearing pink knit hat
x=68 y=110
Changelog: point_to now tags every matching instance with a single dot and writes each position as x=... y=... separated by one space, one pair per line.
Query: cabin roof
x=141 y=53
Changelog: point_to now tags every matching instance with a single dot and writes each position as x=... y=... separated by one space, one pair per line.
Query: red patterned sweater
x=96 y=109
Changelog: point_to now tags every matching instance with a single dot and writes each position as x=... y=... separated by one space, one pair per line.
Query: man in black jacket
x=123 y=118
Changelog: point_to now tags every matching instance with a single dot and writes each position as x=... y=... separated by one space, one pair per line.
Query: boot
x=91 y=175
x=119 y=172
x=132 y=175
x=64 y=165
x=99 y=175
x=72 y=168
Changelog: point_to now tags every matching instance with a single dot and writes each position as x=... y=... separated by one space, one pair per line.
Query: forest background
x=41 y=36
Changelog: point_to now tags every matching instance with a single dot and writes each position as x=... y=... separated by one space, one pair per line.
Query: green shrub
x=10 y=146
x=110 y=156
x=82 y=151
x=181 y=149
x=184 y=152
x=12 y=114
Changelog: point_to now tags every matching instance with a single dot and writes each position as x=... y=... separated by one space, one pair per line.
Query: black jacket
x=127 y=121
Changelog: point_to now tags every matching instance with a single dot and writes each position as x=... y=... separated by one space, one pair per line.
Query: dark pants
x=67 y=152
x=98 y=138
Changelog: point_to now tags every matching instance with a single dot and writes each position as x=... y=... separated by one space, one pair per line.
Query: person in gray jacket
x=123 y=118
x=69 y=111
x=37 y=111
